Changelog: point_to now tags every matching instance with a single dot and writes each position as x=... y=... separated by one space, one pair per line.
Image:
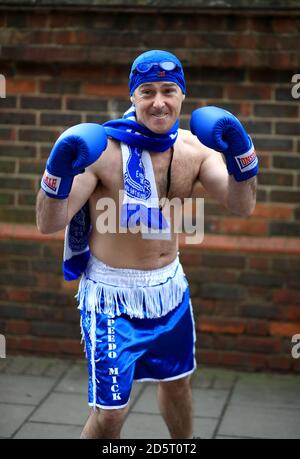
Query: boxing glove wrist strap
x=243 y=166
x=56 y=187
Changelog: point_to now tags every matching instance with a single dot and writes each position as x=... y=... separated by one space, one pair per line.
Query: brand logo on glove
x=50 y=183
x=247 y=160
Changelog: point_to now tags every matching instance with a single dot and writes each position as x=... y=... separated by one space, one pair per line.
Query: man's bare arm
x=221 y=131
x=241 y=196
x=238 y=197
x=53 y=215
x=65 y=187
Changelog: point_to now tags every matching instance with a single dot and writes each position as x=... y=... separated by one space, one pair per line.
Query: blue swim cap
x=156 y=65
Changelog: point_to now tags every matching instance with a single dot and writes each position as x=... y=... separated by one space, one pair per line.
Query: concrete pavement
x=46 y=398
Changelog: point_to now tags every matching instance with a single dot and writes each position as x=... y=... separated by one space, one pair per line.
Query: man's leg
x=104 y=423
x=176 y=407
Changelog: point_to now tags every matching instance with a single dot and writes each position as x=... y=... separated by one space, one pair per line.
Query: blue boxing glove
x=76 y=148
x=220 y=130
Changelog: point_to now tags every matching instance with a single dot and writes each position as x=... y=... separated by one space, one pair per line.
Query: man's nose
x=158 y=101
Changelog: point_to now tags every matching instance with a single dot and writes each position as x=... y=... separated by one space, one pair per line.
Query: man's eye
x=170 y=90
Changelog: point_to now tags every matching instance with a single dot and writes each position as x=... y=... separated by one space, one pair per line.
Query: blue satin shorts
x=121 y=349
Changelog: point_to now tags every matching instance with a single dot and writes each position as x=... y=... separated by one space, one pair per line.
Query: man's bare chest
x=174 y=173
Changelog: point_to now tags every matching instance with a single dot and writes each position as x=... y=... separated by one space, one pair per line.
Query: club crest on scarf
x=135 y=183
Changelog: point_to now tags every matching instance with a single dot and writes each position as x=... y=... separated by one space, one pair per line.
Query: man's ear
x=132 y=99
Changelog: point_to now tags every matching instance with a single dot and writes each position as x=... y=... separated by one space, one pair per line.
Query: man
x=134 y=299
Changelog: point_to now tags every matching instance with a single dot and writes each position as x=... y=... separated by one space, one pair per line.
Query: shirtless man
x=134 y=300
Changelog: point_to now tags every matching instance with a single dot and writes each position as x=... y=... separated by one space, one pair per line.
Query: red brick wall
x=245 y=295
x=65 y=66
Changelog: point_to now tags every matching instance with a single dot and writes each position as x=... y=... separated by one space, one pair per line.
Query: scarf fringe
x=140 y=301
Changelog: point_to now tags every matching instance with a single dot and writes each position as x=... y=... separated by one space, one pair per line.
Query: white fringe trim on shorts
x=138 y=293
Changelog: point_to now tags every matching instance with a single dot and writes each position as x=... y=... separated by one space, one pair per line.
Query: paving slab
x=57 y=368
x=259 y=421
x=3 y=364
x=12 y=416
x=23 y=389
x=267 y=389
x=51 y=368
x=136 y=391
x=213 y=378
x=203 y=379
x=74 y=380
x=17 y=365
x=37 y=366
x=225 y=380
x=63 y=408
x=34 y=366
x=47 y=398
x=204 y=427
x=207 y=402
x=144 y=425
x=36 y=430
x=152 y=426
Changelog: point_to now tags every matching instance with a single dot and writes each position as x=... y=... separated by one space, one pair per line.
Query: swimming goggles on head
x=145 y=67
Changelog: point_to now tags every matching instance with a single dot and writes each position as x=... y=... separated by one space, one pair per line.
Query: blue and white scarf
x=140 y=203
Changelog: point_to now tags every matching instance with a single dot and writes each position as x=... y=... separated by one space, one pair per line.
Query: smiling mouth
x=161 y=116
